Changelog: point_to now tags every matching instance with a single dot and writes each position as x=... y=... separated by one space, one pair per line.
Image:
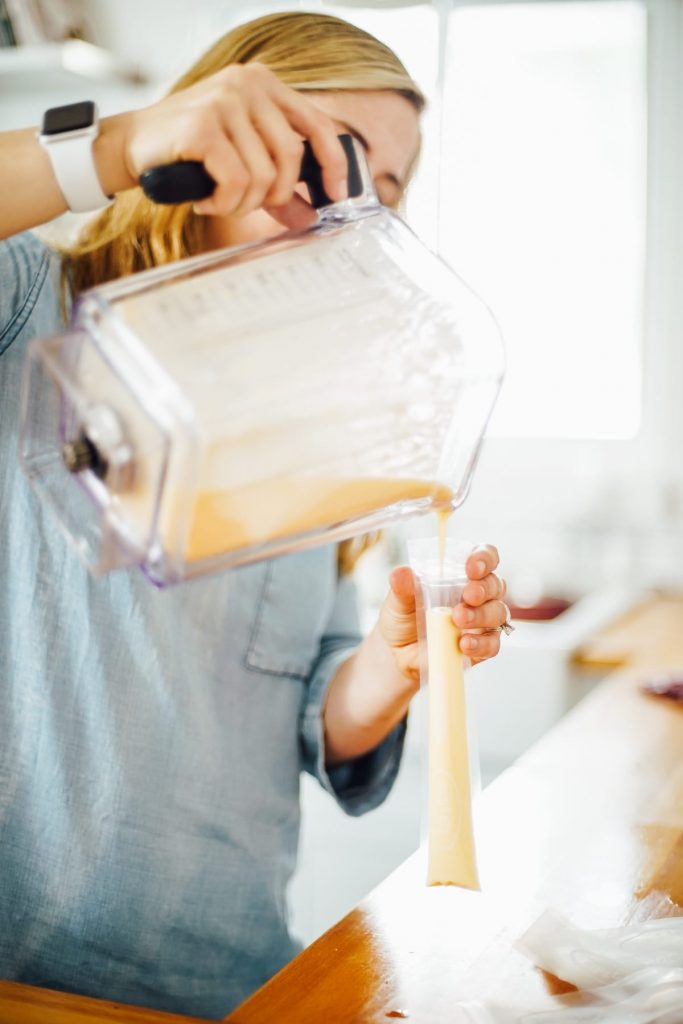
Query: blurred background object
x=32 y=22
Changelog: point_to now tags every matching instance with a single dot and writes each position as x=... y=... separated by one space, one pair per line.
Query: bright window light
x=535 y=192
x=543 y=204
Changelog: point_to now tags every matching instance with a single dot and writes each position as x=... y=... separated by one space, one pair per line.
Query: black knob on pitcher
x=82 y=454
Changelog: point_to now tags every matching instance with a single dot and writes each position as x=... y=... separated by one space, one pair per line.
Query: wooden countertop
x=651 y=634
x=24 y=1004
x=588 y=822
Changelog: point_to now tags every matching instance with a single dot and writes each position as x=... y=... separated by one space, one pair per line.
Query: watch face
x=69 y=118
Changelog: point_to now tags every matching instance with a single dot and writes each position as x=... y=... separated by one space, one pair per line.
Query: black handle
x=188 y=181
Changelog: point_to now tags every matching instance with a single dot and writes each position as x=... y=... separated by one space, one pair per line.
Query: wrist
x=109 y=155
x=67 y=134
x=367 y=698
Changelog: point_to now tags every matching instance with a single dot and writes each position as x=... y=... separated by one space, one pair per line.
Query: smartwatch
x=67 y=134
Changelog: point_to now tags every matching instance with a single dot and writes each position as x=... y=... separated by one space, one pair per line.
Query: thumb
x=397 y=616
x=297 y=214
x=402 y=592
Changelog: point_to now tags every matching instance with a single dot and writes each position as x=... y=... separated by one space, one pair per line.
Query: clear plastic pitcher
x=261 y=399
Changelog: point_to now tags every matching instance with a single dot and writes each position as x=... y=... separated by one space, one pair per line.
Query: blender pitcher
x=261 y=399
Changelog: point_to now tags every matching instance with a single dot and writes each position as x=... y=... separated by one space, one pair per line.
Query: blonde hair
x=315 y=52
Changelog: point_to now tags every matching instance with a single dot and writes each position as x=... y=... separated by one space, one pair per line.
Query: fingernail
x=481 y=566
x=467 y=615
x=469 y=643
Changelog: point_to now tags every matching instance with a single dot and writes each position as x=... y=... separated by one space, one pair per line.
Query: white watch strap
x=74 y=169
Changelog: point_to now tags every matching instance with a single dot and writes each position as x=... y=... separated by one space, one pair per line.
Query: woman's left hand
x=478 y=616
x=371 y=690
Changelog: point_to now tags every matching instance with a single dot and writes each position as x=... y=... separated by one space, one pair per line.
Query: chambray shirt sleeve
x=362 y=784
x=24 y=266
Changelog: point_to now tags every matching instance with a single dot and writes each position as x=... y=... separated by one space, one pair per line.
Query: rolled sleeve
x=363 y=783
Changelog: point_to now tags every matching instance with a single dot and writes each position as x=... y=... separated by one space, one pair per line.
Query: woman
x=151 y=742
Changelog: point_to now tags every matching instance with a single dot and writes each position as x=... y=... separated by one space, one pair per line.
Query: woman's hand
x=244 y=124
x=246 y=127
x=478 y=616
x=371 y=691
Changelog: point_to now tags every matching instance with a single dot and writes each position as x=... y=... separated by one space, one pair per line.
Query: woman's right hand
x=246 y=127
x=242 y=123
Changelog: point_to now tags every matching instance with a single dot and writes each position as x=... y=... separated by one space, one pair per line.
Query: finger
x=402 y=589
x=481 y=646
x=490 y=615
x=254 y=155
x=230 y=174
x=297 y=214
x=397 y=619
x=476 y=593
x=482 y=561
x=320 y=130
x=285 y=147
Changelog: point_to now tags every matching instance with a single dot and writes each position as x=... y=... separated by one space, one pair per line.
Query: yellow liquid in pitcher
x=225 y=520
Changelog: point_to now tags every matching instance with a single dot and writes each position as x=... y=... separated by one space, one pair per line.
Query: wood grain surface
x=24 y=1004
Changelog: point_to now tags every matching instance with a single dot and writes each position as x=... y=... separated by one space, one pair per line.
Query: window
x=540 y=171
x=543 y=204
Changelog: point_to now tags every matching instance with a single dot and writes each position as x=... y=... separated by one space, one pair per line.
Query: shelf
x=73 y=58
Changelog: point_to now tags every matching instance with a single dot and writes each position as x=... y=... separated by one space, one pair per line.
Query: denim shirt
x=151 y=741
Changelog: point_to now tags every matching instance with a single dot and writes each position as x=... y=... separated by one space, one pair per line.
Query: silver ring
x=507 y=626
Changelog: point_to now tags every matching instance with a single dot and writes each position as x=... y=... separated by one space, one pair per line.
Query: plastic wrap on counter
x=629 y=975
